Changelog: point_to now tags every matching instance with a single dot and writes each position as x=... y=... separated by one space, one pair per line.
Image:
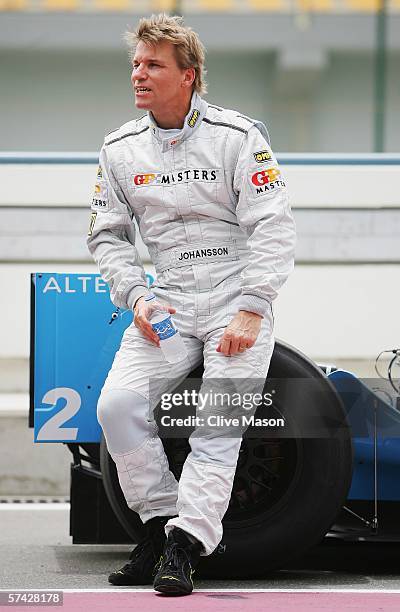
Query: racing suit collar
x=198 y=109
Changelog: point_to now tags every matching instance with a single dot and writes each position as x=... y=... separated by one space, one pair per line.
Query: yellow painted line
x=268 y=5
x=60 y=5
x=316 y=6
x=13 y=5
x=162 y=5
x=112 y=5
x=216 y=5
x=334 y=7
x=364 y=5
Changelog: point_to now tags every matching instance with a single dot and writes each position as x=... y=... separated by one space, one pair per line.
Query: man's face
x=157 y=80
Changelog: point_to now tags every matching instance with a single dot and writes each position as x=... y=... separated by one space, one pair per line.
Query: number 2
x=52 y=429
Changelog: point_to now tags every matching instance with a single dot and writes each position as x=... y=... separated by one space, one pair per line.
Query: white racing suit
x=212 y=207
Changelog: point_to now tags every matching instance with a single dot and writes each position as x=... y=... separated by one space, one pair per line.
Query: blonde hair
x=189 y=50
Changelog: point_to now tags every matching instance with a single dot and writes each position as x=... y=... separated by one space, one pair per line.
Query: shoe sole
x=171 y=589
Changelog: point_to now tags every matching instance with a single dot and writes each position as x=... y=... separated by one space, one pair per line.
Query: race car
x=332 y=471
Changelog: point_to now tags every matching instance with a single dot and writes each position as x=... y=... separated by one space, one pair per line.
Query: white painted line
x=212 y=590
x=239 y=590
x=34 y=506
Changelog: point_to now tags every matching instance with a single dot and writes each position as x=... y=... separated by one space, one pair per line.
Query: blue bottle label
x=164 y=329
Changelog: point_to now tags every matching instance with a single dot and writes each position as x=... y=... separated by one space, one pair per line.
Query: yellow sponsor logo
x=92 y=222
x=193 y=118
x=262 y=156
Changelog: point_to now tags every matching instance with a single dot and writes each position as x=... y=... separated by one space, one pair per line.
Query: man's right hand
x=143 y=310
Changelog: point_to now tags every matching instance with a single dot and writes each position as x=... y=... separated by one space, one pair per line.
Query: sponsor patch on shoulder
x=92 y=222
x=266 y=180
x=262 y=156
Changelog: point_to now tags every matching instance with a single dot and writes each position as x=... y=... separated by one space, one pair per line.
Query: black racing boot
x=140 y=569
x=177 y=564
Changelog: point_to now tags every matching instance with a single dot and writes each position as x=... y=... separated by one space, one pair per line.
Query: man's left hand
x=240 y=334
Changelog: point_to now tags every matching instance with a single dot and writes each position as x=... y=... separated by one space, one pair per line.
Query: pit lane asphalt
x=36 y=553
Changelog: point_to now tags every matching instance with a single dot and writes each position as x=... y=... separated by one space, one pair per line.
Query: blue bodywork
x=76 y=338
x=371 y=414
x=77 y=331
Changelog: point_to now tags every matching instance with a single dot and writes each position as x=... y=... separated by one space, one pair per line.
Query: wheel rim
x=267 y=471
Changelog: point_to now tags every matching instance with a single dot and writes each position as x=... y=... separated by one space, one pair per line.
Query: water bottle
x=171 y=342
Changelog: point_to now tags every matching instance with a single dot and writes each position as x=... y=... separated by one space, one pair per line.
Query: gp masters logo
x=267 y=180
x=144 y=179
x=208 y=175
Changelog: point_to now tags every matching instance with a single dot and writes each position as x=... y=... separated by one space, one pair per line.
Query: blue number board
x=77 y=331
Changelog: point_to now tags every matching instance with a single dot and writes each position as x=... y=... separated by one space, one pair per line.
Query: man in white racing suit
x=211 y=205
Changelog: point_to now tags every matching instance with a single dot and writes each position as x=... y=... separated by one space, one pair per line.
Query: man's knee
x=105 y=405
x=111 y=405
x=125 y=419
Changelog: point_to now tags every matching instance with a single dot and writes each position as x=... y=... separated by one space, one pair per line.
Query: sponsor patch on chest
x=191 y=175
x=100 y=196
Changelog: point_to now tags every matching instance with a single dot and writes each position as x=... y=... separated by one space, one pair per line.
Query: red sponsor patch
x=265 y=176
x=143 y=179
